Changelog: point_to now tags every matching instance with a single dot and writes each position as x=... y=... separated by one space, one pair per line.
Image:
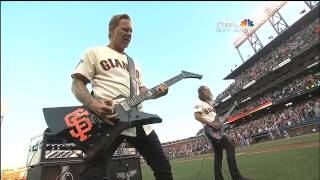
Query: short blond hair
x=115 y=21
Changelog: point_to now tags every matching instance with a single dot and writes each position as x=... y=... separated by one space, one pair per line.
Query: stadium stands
x=287 y=88
x=189 y=147
x=272 y=125
x=295 y=44
x=278 y=89
x=276 y=123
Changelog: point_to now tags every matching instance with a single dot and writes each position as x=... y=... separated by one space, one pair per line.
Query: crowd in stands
x=193 y=146
x=276 y=123
x=285 y=89
x=298 y=84
x=289 y=48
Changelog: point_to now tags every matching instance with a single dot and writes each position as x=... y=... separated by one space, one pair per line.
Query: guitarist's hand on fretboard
x=162 y=89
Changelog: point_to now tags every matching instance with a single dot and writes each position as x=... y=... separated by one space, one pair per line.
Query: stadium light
x=268 y=11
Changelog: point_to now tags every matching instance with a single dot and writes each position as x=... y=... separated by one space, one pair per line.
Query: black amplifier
x=120 y=168
x=50 y=148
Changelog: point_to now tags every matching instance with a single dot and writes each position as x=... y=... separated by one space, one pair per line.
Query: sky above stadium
x=42 y=42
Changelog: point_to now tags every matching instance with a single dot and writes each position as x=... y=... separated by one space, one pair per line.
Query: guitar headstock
x=191 y=75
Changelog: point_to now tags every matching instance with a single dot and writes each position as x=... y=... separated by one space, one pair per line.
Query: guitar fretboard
x=137 y=99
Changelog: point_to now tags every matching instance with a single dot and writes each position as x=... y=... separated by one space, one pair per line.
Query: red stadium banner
x=243 y=114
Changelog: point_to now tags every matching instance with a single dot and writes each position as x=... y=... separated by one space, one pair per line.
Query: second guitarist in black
x=205 y=113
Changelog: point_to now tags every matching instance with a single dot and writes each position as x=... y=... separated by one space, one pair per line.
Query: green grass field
x=290 y=164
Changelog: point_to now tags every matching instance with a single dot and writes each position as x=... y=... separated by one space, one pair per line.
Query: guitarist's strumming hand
x=104 y=109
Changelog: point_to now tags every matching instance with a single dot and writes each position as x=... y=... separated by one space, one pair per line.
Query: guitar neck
x=137 y=99
x=229 y=112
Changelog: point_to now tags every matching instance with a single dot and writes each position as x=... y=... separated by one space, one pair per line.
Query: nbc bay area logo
x=229 y=26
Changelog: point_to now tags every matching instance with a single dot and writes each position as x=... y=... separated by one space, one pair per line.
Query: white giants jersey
x=206 y=110
x=107 y=70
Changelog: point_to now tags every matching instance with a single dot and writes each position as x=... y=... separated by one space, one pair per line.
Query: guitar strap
x=211 y=103
x=133 y=79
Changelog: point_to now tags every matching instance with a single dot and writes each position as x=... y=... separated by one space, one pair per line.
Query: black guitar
x=92 y=135
x=219 y=133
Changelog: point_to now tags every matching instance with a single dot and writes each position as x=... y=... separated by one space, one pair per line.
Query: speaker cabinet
x=66 y=171
x=121 y=168
x=124 y=168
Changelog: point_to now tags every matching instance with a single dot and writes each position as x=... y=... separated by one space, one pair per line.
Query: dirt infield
x=281 y=148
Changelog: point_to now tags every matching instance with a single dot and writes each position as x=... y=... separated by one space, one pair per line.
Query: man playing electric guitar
x=106 y=68
x=206 y=114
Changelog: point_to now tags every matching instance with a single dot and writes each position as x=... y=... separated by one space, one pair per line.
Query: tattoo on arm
x=81 y=92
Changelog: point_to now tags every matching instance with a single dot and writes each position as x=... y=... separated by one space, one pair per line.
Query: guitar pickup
x=125 y=106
